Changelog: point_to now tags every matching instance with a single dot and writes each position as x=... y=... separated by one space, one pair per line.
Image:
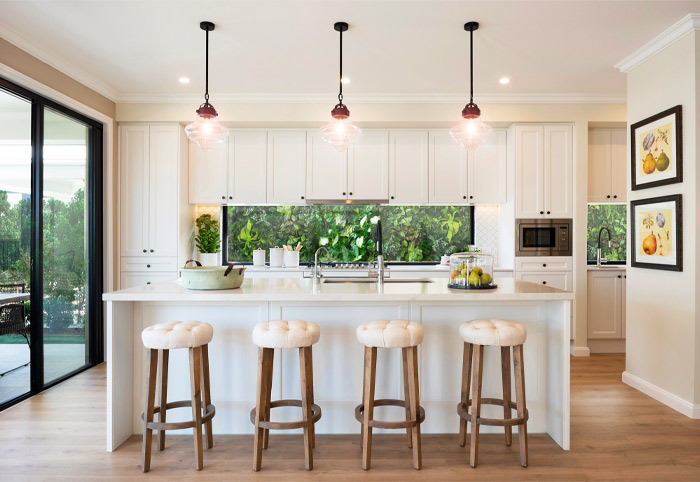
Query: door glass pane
x=65 y=251
x=15 y=238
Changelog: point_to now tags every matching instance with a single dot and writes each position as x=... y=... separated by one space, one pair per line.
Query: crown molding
x=671 y=35
x=78 y=75
x=308 y=98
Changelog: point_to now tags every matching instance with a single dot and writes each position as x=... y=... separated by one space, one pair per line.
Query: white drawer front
x=148 y=264
x=562 y=280
x=130 y=280
x=544 y=263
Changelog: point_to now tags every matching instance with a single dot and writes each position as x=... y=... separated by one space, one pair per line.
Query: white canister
x=291 y=259
x=259 y=257
x=444 y=259
x=276 y=257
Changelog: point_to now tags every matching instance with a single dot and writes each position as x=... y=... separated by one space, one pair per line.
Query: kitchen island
x=339 y=308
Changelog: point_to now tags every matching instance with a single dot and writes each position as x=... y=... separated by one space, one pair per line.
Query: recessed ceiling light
x=504 y=80
x=184 y=80
x=345 y=80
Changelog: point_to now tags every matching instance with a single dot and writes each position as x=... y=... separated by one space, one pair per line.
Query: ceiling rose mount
x=206 y=130
x=339 y=132
x=471 y=132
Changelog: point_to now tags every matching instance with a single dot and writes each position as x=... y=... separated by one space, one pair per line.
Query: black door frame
x=94 y=329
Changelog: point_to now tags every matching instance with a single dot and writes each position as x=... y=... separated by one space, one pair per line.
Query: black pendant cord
x=340 y=93
x=206 y=70
x=471 y=66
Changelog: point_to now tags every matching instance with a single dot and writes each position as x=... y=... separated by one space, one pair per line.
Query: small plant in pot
x=208 y=239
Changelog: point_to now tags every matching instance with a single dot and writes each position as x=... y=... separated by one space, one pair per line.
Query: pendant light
x=339 y=132
x=472 y=131
x=206 y=130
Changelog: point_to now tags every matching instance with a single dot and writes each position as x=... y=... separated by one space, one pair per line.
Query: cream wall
x=275 y=114
x=662 y=307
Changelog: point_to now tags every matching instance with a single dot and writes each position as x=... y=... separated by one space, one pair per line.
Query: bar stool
x=160 y=339
x=406 y=335
x=284 y=334
x=506 y=334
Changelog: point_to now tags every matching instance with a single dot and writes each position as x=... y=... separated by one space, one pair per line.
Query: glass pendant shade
x=340 y=133
x=471 y=133
x=207 y=132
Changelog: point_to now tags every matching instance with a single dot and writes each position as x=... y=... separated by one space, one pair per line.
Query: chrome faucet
x=598 y=258
x=317 y=267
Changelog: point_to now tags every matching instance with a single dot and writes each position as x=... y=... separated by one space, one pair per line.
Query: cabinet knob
x=148 y=282
x=223 y=197
x=148 y=266
x=343 y=194
x=608 y=196
x=625 y=276
x=151 y=251
x=548 y=212
x=302 y=197
x=544 y=265
x=392 y=197
x=464 y=197
x=544 y=282
x=541 y=212
x=350 y=193
x=619 y=276
x=471 y=197
x=230 y=197
x=144 y=250
x=615 y=196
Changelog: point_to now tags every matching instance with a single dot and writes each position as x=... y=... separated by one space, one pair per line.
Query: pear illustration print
x=657 y=150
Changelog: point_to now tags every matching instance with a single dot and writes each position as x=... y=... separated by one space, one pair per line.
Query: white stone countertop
x=300 y=289
x=405 y=268
x=606 y=267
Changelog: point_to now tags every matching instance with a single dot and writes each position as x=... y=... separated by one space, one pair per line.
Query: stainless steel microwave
x=543 y=237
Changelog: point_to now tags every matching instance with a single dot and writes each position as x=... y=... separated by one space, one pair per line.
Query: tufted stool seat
x=159 y=340
x=286 y=334
x=390 y=334
x=504 y=334
x=177 y=334
x=493 y=332
x=406 y=335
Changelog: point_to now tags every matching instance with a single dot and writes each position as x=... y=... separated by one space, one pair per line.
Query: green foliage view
x=64 y=274
x=208 y=236
x=614 y=217
x=411 y=233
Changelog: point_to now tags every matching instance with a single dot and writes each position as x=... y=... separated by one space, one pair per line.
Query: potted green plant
x=208 y=239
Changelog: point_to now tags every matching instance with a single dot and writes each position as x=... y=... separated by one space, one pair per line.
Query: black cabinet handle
x=350 y=193
x=343 y=194
x=148 y=266
x=464 y=197
x=230 y=197
x=619 y=276
x=392 y=197
x=223 y=197
x=625 y=276
x=548 y=212
x=541 y=212
x=544 y=282
x=148 y=282
x=151 y=251
x=471 y=197
x=544 y=265
x=144 y=250
x=302 y=197
x=615 y=196
x=608 y=196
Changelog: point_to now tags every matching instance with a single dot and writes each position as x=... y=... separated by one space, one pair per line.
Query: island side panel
x=338 y=362
x=440 y=361
x=558 y=372
x=120 y=366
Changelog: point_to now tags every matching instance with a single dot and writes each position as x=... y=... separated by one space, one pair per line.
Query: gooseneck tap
x=317 y=267
x=380 y=254
x=598 y=258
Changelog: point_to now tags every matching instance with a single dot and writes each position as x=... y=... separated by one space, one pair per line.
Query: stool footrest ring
x=268 y=425
x=209 y=413
x=360 y=409
x=463 y=411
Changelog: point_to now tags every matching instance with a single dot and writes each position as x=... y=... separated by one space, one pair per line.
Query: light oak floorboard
x=617 y=433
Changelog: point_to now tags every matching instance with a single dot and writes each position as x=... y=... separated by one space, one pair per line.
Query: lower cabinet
x=606 y=304
x=131 y=280
x=554 y=271
x=560 y=280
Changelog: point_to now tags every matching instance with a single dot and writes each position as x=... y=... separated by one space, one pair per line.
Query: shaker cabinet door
x=208 y=172
x=247 y=167
x=326 y=169
x=368 y=166
x=487 y=170
x=286 y=166
x=529 y=171
x=133 y=190
x=447 y=173
x=558 y=172
x=164 y=163
x=599 y=166
x=408 y=167
x=605 y=304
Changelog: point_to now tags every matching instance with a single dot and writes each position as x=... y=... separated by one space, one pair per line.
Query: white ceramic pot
x=209 y=259
x=276 y=257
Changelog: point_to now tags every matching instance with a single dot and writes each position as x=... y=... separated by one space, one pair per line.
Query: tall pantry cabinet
x=152 y=177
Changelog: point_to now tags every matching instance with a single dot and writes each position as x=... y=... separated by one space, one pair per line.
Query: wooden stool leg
x=260 y=400
x=304 y=368
x=407 y=395
x=206 y=394
x=520 y=400
x=310 y=382
x=505 y=378
x=415 y=405
x=268 y=377
x=150 y=399
x=368 y=401
x=476 y=403
x=466 y=377
x=163 y=356
x=195 y=387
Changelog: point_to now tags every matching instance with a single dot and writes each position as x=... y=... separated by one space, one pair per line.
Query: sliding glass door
x=50 y=241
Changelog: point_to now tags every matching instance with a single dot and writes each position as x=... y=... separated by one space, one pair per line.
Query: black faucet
x=598 y=257
x=380 y=249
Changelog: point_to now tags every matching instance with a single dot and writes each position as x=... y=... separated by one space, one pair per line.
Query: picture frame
x=657 y=233
x=657 y=149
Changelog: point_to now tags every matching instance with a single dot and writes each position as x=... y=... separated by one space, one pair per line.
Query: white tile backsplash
x=486 y=229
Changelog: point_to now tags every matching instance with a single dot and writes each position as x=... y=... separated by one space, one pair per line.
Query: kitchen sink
x=374 y=280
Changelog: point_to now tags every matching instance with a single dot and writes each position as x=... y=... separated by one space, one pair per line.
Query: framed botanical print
x=657 y=233
x=657 y=150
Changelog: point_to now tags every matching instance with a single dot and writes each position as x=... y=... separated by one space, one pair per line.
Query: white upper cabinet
x=607 y=165
x=163 y=190
x=326 y=169
x=286 y=166
x=543 y=171
x=368 y=166
x=558 y=172
x=149 y=160
x=447 y=175
x=247 y=166
x=408 y=167
x=133 y=189
x=208 y=171
x=487 y=170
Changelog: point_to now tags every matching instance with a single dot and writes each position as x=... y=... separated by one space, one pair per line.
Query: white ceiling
x=130 y=49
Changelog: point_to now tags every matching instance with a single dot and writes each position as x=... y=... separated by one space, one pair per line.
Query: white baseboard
x=580 y=351
x=663 y=396
x=606 y=346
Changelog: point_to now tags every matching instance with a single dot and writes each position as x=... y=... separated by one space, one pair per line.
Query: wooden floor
x=617 y=433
